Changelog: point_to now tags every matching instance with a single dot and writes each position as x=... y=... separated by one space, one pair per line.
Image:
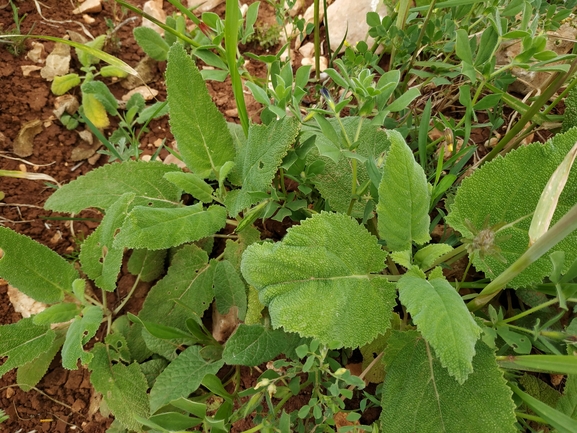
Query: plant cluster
x=362 y=184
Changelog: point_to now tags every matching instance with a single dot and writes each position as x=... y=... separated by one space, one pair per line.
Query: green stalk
x=549 y=90
x=531 y=310
x=232 y=16
x=317 y=41
x=566 y=225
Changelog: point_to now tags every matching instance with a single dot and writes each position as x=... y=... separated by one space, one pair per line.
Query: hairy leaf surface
x=31 y=373
x=419 y=395
x=147 y=263
x=22 y=342
x=81 y=330
x=157 y=229
x=444 y=320
x=123 y=387
x=186 y=290
x=517 y=181
x=335 y=182
x=318 y=281
x=252 y=345
x=259 y=159
x=404 y=198
x=102 y=187
x=199 y=128
x=100 y=260
x=181 y=377
x=229 y=289
x=33 y=268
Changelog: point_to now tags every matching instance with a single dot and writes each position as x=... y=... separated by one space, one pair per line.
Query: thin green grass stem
x=317 y=41
x=531 y=310
x=231 y=22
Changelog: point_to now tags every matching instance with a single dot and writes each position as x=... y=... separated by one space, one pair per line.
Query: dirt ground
x=64 y=400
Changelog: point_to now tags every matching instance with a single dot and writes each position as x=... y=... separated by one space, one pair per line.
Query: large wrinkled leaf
x=442 y=317
x=335 y=182
x=146 y=263
x=185 y=291
x=181 y=377
x=81 y=330
x=259 y=160
x=156 y=229
x=199 y=128
x=404 y=198
x=100 y=260
x=319 y=281
x=419 y=395
x=254 y=344
x=33 y=268
x=517 y=181
x=102 y=187
x=123 y=387
x=22 y=342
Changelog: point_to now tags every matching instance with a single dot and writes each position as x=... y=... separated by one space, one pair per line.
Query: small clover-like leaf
x=320 y=281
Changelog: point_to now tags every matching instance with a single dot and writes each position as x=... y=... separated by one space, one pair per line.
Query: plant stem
x=125 y=300
x=317 y=41
x=531 y=417
x=531 y=310
x=566 y=225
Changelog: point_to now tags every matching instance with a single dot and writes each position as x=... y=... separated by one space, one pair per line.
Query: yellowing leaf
x=64 y=83
x=94 y=110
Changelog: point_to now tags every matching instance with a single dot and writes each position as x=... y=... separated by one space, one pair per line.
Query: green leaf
x=419 y=395
x=181 y=377
x=102 y=187
x=404 y=198
x=318 y=281
x=192 y=184
x=252 y=345
x=199 y=128
x=31 y=373
x=81 y=330
x=259 y=159
x=568 y=401
x=564 y=364
x=335 y=182
x=462 y=47
x=426 y=256
x=86 y=57
x=123 y=387
x=229 y=289
x=562 y=422
x=64 y=83
x=539 y=389
x=100 y=260
x=444 y=320
x=156 y=229
x=22 y=342
x=102 y=94
x=113 y=71
x=188 y=280
x=33 y=268
x=57 y=313
x=151 y=43
x=146 y=263
x=404 y=100
x=517 y=181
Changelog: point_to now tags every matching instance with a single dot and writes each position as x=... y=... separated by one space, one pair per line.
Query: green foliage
x=444 y=321
x=203 y=139
x=35 y=269
x=497 y=224
x=418 y=388
x=570 y=115
x=329 y=257
x=404 y=197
